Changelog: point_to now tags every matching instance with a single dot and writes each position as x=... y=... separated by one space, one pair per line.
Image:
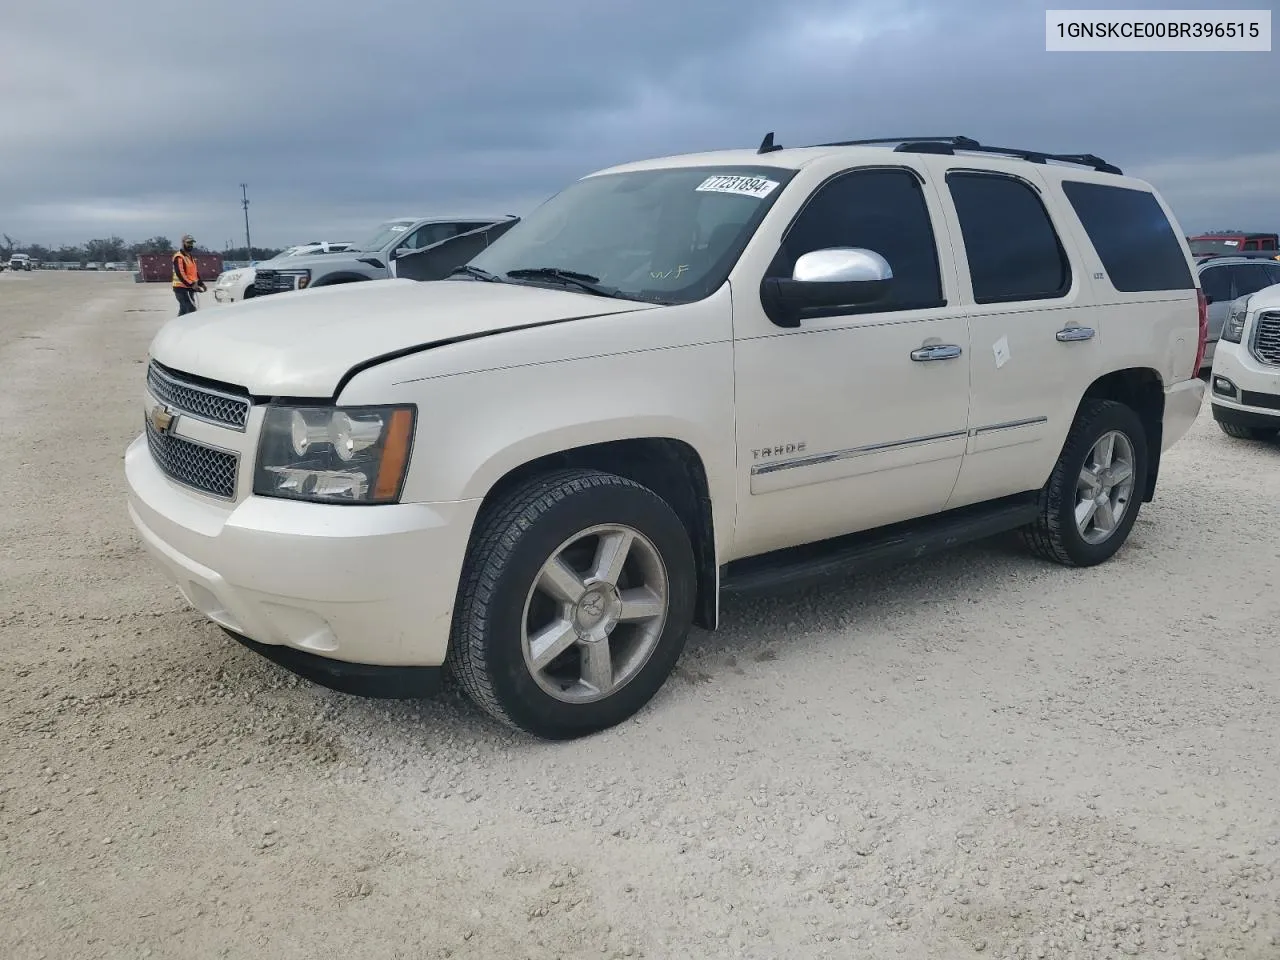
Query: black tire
x=512 y=540
x=1055 y=536
x=1246 y=433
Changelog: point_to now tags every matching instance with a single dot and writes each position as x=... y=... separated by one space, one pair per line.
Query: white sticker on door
x=758 y=187
x=1001 y=349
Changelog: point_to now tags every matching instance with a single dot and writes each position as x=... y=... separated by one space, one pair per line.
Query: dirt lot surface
x=980 y=756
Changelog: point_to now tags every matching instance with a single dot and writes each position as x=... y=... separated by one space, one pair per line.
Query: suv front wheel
x=574 y=604
x=1092 y=498
x=1247 y=433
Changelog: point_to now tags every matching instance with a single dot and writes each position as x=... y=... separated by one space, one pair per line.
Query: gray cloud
x=338 y=114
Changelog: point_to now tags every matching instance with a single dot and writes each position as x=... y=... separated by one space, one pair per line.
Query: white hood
x=302 y=344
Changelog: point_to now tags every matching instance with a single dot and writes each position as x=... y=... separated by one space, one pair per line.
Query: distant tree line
x=115 y=250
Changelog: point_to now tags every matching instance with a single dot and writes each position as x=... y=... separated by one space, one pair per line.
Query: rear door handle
x=938 y=351
x=1072 y=334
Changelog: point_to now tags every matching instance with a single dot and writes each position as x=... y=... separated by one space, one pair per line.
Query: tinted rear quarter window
x=1013 y=250
x=1135 y=241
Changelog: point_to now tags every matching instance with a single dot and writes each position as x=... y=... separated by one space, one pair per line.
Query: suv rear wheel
x=1091 y=501
x=574 y=604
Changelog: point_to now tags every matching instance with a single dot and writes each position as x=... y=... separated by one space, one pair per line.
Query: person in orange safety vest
x=186 y=276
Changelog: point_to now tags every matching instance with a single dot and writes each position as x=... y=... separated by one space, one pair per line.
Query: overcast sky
x=138 y=118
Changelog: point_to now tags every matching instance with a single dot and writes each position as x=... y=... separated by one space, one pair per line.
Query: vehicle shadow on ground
x=793 y=625
x=753 y=629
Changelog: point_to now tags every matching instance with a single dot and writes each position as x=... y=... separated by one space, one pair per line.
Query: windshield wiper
x=584 y=281
x=467 y=270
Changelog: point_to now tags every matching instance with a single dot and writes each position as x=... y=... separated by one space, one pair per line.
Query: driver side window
x=880 y=210
x=428 y=234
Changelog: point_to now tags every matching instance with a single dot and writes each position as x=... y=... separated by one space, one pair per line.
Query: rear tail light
x=1204 y=331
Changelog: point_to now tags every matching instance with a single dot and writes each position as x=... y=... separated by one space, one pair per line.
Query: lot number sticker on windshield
x=757 y=187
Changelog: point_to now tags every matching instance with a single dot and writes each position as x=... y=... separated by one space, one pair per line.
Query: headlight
x=334 y=454
x=1233 y=328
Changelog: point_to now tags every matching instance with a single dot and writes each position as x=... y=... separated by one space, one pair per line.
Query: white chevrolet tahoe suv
x=1246 y=368
x=675 y=380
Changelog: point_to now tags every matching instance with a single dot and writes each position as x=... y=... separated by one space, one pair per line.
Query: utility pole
x=244 y=202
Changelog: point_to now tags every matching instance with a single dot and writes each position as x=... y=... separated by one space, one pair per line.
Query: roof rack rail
x=949 y=145
x=963 y=142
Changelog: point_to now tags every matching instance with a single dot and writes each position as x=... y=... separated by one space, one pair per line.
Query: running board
x=810 y=563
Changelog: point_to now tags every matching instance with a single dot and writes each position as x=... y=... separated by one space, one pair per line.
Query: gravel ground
x=979 y=756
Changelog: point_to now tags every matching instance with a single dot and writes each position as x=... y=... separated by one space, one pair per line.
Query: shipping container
x=156 y=267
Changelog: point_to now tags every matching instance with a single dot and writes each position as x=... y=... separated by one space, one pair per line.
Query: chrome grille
x=1266 y=338
x=197 y=401
x=193 y=464
x=272 y=281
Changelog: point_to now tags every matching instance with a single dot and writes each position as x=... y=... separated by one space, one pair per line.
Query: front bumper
x=1182 y=403
x=314 y=586
x=1244 y=392
x=1237 y=416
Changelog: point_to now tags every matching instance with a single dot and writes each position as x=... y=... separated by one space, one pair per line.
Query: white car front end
x=232 y=284
x=322 y=534
x=1245 y=381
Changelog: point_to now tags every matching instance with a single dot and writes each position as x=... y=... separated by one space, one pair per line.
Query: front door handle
x=938 y=351
x=1072 y=334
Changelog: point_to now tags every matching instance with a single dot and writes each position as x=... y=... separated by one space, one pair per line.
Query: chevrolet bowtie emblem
x=161 y=419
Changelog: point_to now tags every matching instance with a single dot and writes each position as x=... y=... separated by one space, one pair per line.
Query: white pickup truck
x=675 y=380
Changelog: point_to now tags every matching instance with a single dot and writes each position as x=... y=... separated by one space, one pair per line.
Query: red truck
x=1217 y=244
x=157 y=267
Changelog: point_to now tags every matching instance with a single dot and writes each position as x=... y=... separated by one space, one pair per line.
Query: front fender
x=475 y=428
x=492 y=403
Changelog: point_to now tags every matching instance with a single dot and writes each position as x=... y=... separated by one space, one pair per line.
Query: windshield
x=384 y=235
x=668 y=236
x=1250 y=278
x=1200 y=246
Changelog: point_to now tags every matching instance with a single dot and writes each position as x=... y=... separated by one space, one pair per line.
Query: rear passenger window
x=1134 y=239
x=880 y=210
x=1013 y=251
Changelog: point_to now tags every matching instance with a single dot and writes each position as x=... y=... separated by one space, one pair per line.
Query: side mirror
x=826 y=279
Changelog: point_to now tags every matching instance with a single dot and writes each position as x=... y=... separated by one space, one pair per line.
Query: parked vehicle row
x=676 y=380
x=237 y=284
x=424 y=248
